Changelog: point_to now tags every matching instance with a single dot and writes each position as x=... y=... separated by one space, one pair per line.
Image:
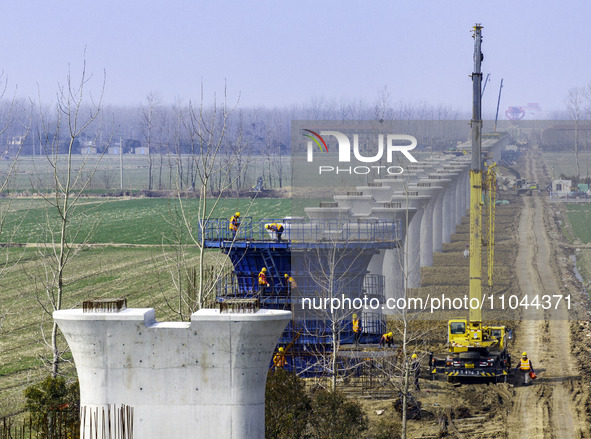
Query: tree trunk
x=577 y=148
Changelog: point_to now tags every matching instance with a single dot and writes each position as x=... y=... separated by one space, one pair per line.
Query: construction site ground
x=530 y=259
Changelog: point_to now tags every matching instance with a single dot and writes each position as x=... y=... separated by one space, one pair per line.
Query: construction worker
x=263 y=283
x=525 y=367
x=279 y=359
x=277 y=228
x=357 y=329
x=291 y=283
x=234 y=224
x=387 y=339
x=415 y=369
x=467 y=251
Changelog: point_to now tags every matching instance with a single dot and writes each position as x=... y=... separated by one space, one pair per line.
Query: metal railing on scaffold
x=298 y=230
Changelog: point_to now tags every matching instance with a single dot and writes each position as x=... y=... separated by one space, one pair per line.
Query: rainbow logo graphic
x=316 y=139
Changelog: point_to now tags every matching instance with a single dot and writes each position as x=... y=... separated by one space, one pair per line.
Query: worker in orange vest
x=263 y=283
x=387 y=339
x=279 y=359
x=234 y=224
x=277 y=228
x=526 y=369
x=291 y=283
x=357 y=329
x=415 y=369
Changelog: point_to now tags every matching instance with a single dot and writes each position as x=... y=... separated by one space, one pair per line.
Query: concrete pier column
x=438 y=214
x=432 y=217
x=460 y=169
x=413 y=240
x=449 y=207
x=390 y=263
x=427 y=224
x=460 y=192
x=201 y=379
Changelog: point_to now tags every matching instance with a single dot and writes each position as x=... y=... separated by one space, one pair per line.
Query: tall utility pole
x=475 y=316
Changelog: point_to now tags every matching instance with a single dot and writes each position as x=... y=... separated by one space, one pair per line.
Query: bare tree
x=332 y=291
x=382 y=105
x=21 y=126
x=211 y=162
x=58 y=139
x=149 y=112
x=574 y=101
x=587 y=95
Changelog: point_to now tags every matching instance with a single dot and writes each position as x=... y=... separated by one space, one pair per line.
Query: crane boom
x=475 y=316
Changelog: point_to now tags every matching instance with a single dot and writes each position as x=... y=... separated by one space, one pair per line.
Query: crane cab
x=463 y=335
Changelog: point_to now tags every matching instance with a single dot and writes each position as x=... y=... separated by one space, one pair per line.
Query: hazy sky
x=277 y=53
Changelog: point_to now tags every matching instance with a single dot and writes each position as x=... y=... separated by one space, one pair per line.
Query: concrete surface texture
x=201 y=379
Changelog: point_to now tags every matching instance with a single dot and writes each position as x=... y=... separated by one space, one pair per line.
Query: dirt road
x=549 y=408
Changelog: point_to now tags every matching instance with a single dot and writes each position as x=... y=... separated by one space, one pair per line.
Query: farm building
x=561 y=188
x=85 y=150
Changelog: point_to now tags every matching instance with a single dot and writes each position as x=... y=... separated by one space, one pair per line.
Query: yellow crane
x=491 y=199
x=474 y=349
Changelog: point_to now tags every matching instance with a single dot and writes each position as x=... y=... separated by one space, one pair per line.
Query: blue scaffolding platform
x=305 y=250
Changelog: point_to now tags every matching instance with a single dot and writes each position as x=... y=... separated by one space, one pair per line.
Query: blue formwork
x=306 y=248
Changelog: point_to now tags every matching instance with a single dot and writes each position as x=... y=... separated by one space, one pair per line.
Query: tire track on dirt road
x=546 y=409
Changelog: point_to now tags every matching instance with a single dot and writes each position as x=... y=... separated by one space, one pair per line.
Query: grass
x=579 y=216
x=141 y=221
x=565 y=163
x=584 y=267
x=34 y=172
x=140 y=274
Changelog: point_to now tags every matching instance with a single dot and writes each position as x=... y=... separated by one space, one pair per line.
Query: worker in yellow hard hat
x=277 y=228
x=357 y=329
x=387 y=339
x=526 y=368
x=291 y=283
x=415 y=370
x=263 y=282
x=234 y=224
x=279 y=359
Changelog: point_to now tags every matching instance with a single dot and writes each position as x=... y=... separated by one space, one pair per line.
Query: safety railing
x=298 y=230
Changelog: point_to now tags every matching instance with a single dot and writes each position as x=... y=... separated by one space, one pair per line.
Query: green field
x=142 y=221
x=562 y=163
x=139 y=274
x=135 y=266
x=579 y=216
x=130 y=262
x=35 y=172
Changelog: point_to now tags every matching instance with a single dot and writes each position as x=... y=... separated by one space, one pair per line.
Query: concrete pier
x=201 y=379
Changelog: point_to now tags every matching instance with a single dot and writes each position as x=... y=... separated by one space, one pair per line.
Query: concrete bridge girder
x=329 y=213
x=359 y=205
